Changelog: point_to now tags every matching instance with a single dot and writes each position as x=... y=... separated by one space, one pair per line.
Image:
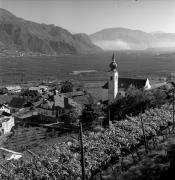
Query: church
x=116 y=84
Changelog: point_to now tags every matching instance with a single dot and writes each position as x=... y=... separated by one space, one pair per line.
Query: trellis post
x=173 y=112
x=82 y=152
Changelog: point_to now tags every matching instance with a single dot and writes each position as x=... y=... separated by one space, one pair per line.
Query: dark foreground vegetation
x=136 y=101
x=157 y=165
x=147 y=121
x=61 y=160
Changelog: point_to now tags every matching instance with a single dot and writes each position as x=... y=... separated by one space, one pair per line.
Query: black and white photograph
x=87 y=89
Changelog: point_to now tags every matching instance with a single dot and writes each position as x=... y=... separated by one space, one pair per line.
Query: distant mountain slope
x=122 y=38
x=19 y=34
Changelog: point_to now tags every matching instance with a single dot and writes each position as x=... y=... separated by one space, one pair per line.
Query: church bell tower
x=112 y=81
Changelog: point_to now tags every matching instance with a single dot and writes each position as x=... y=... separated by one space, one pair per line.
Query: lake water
x=93 y=66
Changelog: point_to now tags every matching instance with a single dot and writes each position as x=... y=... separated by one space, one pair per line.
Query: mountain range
x=21 y=35
x=26 y=36
x=122 y=38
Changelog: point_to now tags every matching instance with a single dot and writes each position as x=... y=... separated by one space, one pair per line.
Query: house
x=116 y=84
x=40 y=89
x=48 y=109
x=6 y=123
x=13 y=89
x=59 y=100
x=35 y=89
x=43 y=88
x=26 y=117
x=57 y=106
x=6 y=154
x=52 y=107
x=4 y=108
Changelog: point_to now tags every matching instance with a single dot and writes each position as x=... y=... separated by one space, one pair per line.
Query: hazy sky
x=89 y=16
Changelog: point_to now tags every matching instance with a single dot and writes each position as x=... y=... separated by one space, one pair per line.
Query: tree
x=72 y=115
x=3 y=91
x=91 y=113
x=170 y=77
x=134 y=96
x=159 y=98
x=66 y=86
x=136 y=101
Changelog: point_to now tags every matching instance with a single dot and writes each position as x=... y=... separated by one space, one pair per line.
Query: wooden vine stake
x=82 y=152
x=173 y=113
x=144 y=136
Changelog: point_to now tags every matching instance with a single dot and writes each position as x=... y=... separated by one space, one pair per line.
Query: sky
x=89 y=16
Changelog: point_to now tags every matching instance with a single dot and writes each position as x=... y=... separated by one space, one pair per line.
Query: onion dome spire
x=113 y=57
x=113 y=64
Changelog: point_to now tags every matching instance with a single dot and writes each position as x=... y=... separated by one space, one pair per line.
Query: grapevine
x=62 y=160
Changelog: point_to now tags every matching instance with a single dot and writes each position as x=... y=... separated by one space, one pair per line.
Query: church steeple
x=113 y=80
x=113 y=57
x=113 y=64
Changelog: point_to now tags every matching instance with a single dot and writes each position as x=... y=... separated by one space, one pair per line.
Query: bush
x=66 y=86
x=136 y=101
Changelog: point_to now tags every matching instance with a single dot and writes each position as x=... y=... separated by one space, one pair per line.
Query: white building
x=40 y=89
x=14 y=89
x=147 y=85
x=4 y=108
x=6 y=124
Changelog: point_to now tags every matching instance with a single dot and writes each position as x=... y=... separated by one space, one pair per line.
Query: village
x=42 y=113
x=58 y=106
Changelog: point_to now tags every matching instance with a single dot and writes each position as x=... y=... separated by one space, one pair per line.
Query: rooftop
x=5 y=105
x=9 y=88
x=4 y=118
x=74 y=94
x=125 y=83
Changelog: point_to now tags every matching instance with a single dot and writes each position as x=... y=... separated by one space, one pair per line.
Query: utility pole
x=82 y=152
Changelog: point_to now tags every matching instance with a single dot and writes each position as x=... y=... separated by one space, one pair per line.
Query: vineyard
x=62 y=160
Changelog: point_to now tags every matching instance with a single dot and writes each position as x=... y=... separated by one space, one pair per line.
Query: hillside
x=26 y=36
x=122 y=38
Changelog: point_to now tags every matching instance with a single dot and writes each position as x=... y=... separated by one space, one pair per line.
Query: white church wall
x=147 y=85
x=113 y=86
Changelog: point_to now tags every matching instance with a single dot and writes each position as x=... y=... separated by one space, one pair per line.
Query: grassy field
x=135 y=64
